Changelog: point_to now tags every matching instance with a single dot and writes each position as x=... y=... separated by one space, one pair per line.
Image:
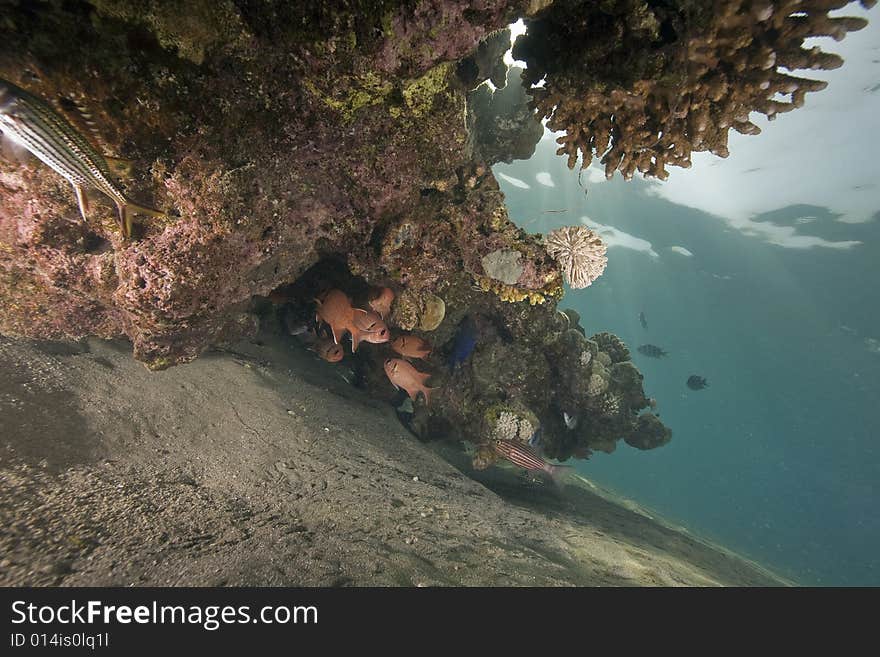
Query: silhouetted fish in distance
x=643 y=320
x=465 y=341
x=695 y=382
x=652 y=351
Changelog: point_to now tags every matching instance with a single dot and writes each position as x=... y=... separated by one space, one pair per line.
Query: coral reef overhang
x=275 y=136
x=270 y=137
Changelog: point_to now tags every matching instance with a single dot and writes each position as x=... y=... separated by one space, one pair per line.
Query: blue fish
x=465 y=341
x=535 y=440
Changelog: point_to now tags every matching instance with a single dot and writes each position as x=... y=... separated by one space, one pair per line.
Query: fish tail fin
x=127 y=209
x=427 y=393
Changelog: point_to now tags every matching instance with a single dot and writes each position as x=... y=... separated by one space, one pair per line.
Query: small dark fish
x=652 y=351
x=643 y=320
x=35 y=125
x=525 y=457
x=465 y=341
x=321 y=345
x=555 y=211
x=535 y=440
x=695 y=382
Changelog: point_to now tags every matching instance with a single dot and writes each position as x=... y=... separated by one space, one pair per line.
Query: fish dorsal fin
x=75 y=110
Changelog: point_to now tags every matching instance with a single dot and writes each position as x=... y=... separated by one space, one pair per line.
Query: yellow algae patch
x=512 y=294
x=419 y=94
x=352 y=94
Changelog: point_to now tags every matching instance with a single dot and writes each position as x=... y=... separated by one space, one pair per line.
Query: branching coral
x=579 y=252
x=642 y=84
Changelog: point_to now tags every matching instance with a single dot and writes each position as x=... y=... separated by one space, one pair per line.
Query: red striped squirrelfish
x=525 y=457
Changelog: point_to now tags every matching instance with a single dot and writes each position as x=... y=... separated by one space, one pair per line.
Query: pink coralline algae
x=268 y=148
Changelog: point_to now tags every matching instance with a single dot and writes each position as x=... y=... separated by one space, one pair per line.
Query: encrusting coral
x=579 y=252
x=642 y=84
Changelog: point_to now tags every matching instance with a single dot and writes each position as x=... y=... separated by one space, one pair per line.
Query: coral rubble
x=642 y=84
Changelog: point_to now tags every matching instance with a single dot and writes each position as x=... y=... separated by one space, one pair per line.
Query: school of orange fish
x=335 y=309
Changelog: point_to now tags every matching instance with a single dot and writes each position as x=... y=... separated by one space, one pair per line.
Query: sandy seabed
x=260 y=466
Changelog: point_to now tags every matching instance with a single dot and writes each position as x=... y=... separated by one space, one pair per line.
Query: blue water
x=778 y=459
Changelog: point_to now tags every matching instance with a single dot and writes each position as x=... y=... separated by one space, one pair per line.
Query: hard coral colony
x=642 y=85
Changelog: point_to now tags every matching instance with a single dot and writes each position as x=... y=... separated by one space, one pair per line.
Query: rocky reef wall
x=270 y=134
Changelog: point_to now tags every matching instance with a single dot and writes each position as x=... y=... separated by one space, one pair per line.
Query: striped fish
x=525 y=457
x=33 y=124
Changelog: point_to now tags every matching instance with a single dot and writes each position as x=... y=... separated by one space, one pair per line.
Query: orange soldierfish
x=368 y=327
x=367 y=320
x=403 y=375
x=382 y=303
x=379 y=335
x=334 y=308
x=411 y=346
x=328 y=350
